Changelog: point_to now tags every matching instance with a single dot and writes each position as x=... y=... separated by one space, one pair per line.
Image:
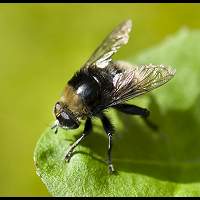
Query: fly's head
x=64 y=117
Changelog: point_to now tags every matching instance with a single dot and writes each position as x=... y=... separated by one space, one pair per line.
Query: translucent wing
x=133 y=81
x=118 y=37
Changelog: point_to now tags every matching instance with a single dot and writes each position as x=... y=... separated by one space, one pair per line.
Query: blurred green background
x=41 y=46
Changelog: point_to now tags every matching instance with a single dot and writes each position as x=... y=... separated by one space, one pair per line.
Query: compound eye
x=64 y=115
x=58 y=106
x=66 y=121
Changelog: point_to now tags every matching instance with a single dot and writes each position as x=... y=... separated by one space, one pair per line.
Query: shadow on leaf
x=172 y=154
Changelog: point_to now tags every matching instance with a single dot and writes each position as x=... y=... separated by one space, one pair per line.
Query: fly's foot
x=111 y=169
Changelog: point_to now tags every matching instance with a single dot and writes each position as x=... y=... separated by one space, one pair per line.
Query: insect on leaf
x=166 y=164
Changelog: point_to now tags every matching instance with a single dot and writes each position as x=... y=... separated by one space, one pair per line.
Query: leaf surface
x=166 y=163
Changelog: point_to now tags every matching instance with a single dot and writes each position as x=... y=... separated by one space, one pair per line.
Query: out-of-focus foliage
x=41 y=46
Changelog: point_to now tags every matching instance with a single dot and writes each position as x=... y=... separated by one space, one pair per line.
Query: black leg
x=109 y=129
x=87 y=129
x=55 y=126
x=135 y=110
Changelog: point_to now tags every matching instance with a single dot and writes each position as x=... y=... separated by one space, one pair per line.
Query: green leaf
x=148 y=163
